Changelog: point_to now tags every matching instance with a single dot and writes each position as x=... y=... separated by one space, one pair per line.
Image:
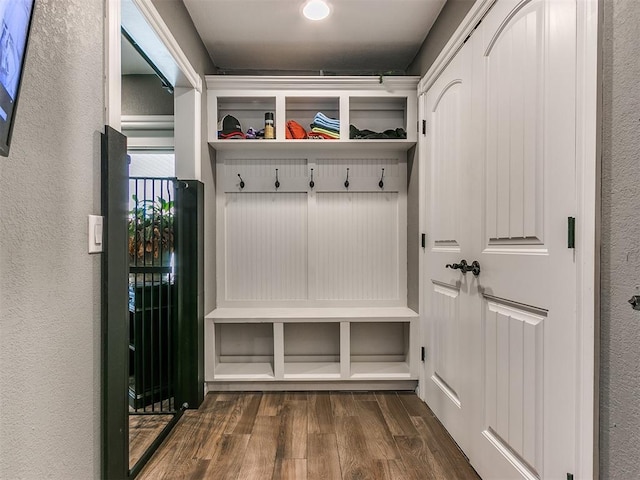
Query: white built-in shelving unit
x=311 y=278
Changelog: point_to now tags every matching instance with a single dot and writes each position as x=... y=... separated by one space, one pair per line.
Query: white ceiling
x=360 y=36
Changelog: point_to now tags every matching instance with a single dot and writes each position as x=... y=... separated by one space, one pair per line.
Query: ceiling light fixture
x=316 y=10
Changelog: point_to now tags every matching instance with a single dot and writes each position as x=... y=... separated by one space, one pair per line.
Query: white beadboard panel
x=266 y=246
x=364 y=174
x=259 y=174
x=514 y=142
x=513 y=366
x=446 y=157
x=263 y=167
x=335 y=167
x=357 y=246
x=445 y=348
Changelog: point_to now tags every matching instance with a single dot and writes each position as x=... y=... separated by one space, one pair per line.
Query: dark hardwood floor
x=315 y=435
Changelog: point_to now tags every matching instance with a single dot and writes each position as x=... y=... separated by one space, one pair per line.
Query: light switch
x=95 y=233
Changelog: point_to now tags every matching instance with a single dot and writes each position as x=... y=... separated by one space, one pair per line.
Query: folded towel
x=328 y=129
x=322 y=119
x=330 y=133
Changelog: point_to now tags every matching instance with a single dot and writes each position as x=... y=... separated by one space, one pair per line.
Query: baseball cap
x=229 y=124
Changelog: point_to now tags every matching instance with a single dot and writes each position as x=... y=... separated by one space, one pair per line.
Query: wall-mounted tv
x=15 y=21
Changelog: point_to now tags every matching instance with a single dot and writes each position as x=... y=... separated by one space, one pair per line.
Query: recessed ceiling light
x=316 y=10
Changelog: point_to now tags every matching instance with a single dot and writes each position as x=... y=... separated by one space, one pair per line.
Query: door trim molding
x=587 y=259
x=112 y=65
x=588 y=128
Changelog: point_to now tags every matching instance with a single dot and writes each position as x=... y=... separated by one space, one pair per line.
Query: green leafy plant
x=151 y=231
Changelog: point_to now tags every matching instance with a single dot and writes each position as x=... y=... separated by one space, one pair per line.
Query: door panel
x=446 y=151
x=513 y=367
x=447 y=326
x=529 y=191
x=115 y=311
x=446 y=344
x=500 y=169
x=514 y=206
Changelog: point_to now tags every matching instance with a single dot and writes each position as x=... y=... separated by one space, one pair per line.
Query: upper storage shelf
x=363 y=111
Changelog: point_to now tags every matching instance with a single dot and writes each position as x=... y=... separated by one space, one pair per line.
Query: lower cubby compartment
x=244 y=351
x=311 y=351
x=379 y=350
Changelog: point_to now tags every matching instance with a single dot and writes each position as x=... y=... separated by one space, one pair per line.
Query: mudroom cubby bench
x=313 y=344
x=311 y=236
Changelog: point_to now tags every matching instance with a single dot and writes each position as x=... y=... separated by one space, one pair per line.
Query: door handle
x=465 y=267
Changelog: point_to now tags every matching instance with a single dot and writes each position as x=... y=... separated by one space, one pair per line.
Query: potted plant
x=151 y=232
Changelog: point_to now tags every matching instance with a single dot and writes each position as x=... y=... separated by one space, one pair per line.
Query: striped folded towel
x=325 y=131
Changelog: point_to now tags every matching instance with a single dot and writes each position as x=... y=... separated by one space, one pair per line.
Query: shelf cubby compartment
x=304 y=109
x=244 y=351
x=379 y=350
x=248 y=110
x=378 y=113
x=312 y=351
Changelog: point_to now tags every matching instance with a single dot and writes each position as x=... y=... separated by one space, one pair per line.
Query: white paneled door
x=501 y=364
x=448 y=325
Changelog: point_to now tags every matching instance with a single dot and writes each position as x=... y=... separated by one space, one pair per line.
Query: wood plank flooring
x=143 y=430
x=315 y=435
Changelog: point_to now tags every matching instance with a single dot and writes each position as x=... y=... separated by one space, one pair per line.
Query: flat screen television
x=15 y=21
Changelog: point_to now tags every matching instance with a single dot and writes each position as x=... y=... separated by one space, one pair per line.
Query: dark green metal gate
x=152 y=315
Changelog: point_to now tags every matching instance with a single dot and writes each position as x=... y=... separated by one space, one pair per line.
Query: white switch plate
x=95 y=233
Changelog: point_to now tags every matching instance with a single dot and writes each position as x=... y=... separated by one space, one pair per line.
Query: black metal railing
x=152 y=296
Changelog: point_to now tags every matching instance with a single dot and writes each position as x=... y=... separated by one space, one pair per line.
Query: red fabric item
x=231 y=135
x=295 y=130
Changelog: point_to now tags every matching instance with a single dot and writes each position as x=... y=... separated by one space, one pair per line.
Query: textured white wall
x=620 y=267
x=144 y=95
x=49 y=285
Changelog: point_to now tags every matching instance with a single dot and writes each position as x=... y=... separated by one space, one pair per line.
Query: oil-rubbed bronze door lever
x=465 y=267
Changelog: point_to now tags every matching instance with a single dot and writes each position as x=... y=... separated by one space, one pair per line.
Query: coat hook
x=346 y=182
x=381 y=182
x=241 y=181
x=277 y=181
x=312 y=183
